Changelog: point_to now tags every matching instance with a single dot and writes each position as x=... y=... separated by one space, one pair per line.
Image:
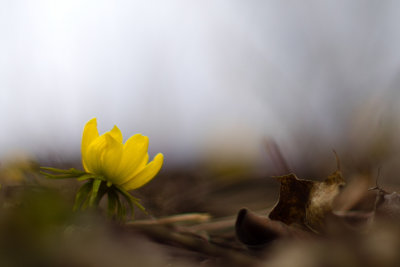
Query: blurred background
x=210 y=82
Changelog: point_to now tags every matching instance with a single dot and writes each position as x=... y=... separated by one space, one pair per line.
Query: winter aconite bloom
x=125 y=165
x=112 y=168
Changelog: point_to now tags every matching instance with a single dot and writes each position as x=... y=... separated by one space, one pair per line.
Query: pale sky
x=191 y=75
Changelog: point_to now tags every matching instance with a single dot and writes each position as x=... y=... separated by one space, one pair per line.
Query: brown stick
x=168 y=235
x=192 y=218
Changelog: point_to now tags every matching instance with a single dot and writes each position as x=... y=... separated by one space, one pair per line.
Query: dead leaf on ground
x=293 y=196
x=306 y=202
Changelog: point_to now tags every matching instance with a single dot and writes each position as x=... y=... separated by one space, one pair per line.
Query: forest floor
x=198 y=219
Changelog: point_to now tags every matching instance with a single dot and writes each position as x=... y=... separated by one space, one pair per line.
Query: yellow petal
x=141 y=165
x=94 y=154
x=146 y=174
x=90 y=133
x=137 y=168
x=135 y=151
x=116 y=134
x=103 y=157
x=111 y=158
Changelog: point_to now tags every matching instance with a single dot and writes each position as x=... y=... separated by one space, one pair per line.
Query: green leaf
x=112 y=202
x=82 y=195
x=102 y=191
x=131 y=200
x=53 y=169
x=86 y=176
x=95 y=191
x=58 y=176
x=127 y=196
x=62 y=174
x=136 y=201
x=121 y=210
x=70 y=171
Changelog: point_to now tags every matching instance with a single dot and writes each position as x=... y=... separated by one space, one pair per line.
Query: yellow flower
x=124 y=165
x=111 y=168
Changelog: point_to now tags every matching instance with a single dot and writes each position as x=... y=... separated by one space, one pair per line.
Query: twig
x=179 y=218
x=164 y=234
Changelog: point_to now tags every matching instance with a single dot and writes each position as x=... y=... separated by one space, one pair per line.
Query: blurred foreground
x=192 y=215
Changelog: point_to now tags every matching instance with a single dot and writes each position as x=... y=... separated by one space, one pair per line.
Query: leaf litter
x=313 y=223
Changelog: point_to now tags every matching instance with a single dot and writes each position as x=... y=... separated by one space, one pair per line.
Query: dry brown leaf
x=293 y=198
x=322 y=196
x=306 y=202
